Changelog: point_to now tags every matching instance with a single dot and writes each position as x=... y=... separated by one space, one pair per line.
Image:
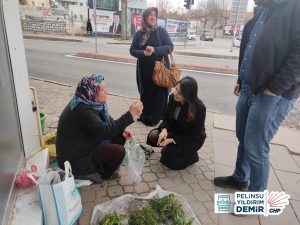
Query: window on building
x=81 y=4
x=43 y=5
x=33 y=3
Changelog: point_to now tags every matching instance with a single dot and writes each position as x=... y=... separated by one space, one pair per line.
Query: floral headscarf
x=87 y=93
x=146 y=27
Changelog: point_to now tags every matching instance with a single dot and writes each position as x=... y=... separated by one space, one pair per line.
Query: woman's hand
x=136 y=108
x=146 y=53
x=162 y=136
x=128 y=134
x=150 y=50
x=166 y=142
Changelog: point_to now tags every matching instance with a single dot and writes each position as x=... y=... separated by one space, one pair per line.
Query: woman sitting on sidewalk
x=182 y=131
x=88 y=137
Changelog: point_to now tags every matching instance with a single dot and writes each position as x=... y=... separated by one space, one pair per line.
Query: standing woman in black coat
x=182 y=132
x=151 y=43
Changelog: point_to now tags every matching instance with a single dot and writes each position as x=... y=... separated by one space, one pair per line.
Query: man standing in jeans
x=268 y=86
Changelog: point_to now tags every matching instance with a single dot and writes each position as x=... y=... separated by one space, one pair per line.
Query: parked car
x=206 y=36
x=191 y=35
x=237 y=41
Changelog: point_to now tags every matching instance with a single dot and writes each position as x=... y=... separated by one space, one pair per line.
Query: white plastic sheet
x=128 y=203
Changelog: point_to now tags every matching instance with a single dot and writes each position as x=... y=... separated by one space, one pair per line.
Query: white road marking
x=126 y=63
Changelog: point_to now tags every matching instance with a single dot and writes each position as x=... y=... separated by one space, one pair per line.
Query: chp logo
x=261 y=203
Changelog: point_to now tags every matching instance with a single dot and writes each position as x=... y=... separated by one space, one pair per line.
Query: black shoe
x=96 y=178
x=226 y=182
x=115 y=176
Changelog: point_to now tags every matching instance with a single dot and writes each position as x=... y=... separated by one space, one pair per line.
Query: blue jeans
x=257 y=121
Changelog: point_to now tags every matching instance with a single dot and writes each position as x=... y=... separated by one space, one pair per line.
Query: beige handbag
x=164 y=77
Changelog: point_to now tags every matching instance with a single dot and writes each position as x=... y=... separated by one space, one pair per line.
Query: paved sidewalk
x=217 y=157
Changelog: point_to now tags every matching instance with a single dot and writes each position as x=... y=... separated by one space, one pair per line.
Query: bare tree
x=214 y=12
x=163 y=7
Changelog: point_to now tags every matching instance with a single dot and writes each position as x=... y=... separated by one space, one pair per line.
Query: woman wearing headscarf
x=182 y=131
x=88 y=137
x=150 y=44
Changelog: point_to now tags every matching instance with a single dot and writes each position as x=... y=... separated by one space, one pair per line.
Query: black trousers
x=174 y=156
x=108 y=157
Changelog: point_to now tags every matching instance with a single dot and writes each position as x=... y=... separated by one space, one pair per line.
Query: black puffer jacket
x=276 y=60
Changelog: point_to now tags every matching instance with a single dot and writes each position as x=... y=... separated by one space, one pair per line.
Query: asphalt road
x=48 y=60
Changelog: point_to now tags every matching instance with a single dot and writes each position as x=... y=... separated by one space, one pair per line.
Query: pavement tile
x=101 y=193
x=183 y=189
x=296 y=206
x=229 y=219
x=85 y=217
x=202 y=196
x=297 y=159
x=274 y=184
x=189 y=179
x=157 y=168
x=166 y=183
x=209 y=175
x=209 y=206
x=100 y=200
x=142 y=187
x=286 y=217
x=128 y=189
x=225 y=122
x=281 y=159
x=198 y=208
x=88 y=205
x=190 y=198
x=115 y=191
x=173 y=173
x=194 y=169
x=207 y=185
x=205 y=220
x=147 y=177
x=99 y=186
x=290 y=183
x=87 y=195
x=224 y=152
x=214 y=217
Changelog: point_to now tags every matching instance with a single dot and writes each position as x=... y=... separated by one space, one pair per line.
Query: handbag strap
x=68 y=169
x=171 y=55
x=170 y=52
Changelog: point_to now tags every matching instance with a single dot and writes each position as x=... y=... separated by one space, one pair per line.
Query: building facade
x=238 y=12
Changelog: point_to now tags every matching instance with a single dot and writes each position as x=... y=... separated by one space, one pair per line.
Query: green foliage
x=166 y=210
x=112 y=219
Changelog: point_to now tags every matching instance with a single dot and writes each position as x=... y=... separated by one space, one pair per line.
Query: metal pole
x=188 y=26
x=236 y=19
x=95 y=22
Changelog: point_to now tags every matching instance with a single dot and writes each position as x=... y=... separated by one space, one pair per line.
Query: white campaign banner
x=104 y=19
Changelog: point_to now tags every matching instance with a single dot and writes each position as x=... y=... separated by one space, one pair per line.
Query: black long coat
x=189 y=136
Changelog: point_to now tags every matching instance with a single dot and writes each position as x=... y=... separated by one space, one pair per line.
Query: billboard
x=136 y=23
x=108 y=22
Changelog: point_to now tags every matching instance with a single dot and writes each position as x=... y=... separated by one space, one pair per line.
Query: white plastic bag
x=134 y=160
x=61 y=201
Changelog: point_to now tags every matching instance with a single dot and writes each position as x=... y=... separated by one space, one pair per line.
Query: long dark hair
x=189 y=90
